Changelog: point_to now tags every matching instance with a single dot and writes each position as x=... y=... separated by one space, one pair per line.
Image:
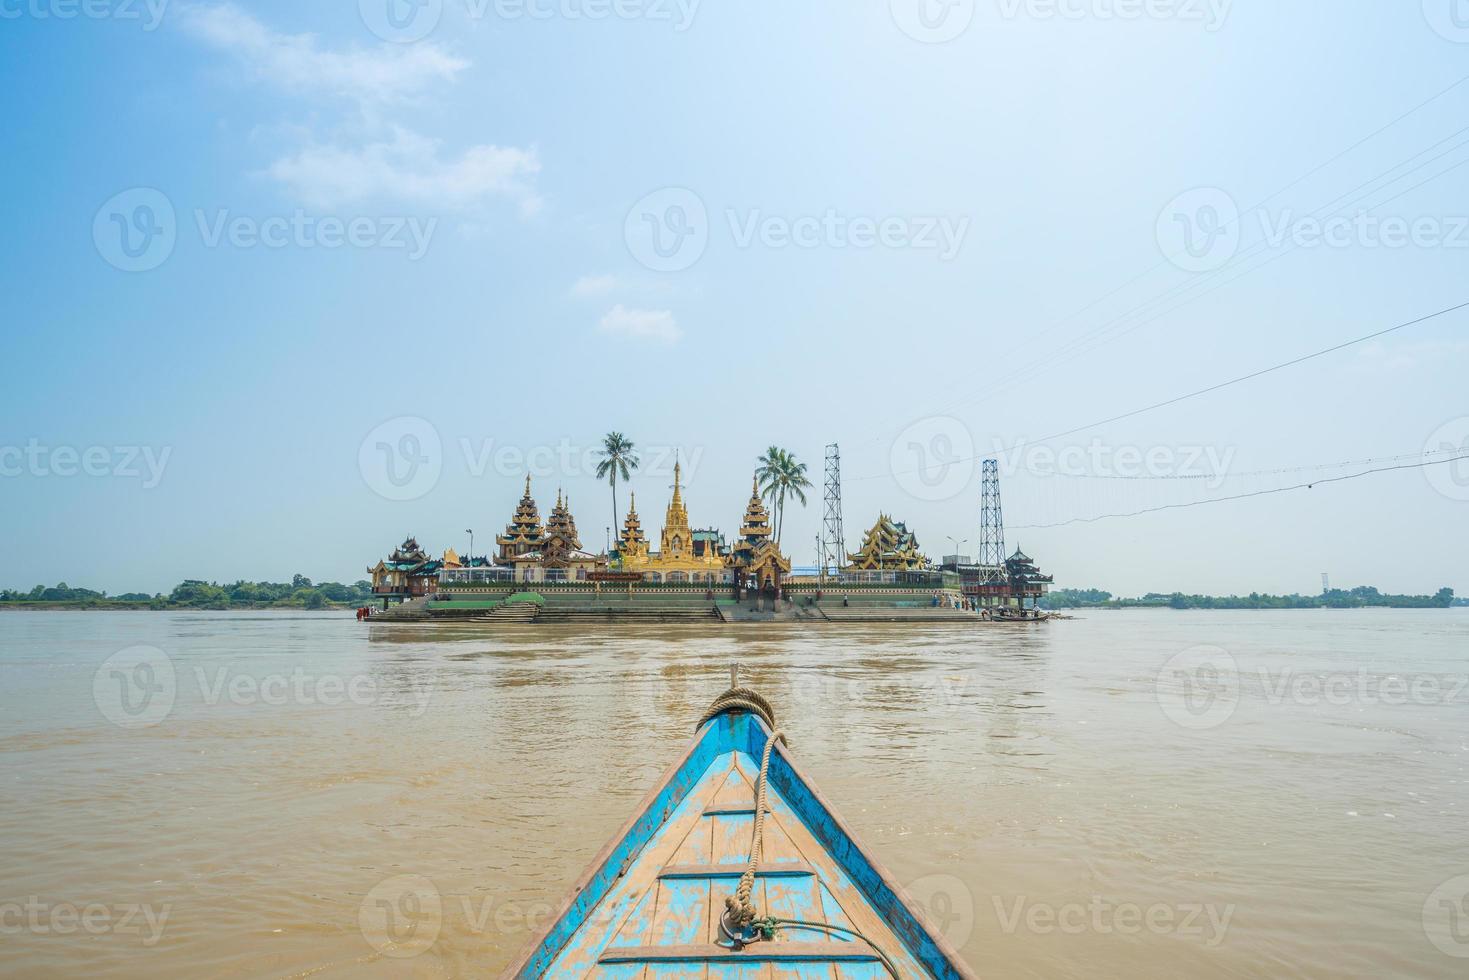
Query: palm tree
x=767 y=472
x=618 y=462
x=781 y=476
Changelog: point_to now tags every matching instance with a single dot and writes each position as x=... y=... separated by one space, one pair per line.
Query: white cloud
x=408 y=167
x=367 y=156
x=594 y=285
x=299 y=64
x=641 y=324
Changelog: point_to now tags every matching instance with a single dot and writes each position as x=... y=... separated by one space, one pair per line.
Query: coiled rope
x=740 y=699
x=740 y=916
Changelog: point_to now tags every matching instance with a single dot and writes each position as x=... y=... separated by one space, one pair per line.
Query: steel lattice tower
x=991 y=517
x=833 y=542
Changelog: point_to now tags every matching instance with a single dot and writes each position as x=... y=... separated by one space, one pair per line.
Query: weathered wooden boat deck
x=650 y=905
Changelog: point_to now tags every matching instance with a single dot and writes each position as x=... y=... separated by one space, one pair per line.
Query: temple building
x=709 y=541
x=1026 y=580
x=887 y=547
x=683 y=555
x=558 y=555
x=452 y=559
x=405 y=573
x=632 y=543
x=756 y=560
x=523 y=534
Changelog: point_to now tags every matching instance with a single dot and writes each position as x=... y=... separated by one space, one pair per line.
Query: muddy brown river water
x=1125 y=794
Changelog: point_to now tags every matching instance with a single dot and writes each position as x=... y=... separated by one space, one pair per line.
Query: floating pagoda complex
x=693 y=572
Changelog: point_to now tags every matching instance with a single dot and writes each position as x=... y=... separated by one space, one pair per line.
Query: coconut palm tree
x=766 y=474
x=782 y=475
x=618 y=462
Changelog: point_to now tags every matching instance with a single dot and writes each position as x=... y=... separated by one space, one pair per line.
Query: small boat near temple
x=735 y=866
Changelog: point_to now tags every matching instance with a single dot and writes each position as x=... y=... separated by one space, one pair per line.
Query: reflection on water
x=1127 y=794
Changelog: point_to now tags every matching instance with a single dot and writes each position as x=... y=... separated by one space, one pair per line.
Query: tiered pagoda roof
x=632 y=543
x=408 y=561
x=1024 y=575
x=678 y=537
x=757 y=520
x=560 y=541
x=755 y=557
x=524 y=533
x=888 y=546
x=681 y=549
x=408 y=553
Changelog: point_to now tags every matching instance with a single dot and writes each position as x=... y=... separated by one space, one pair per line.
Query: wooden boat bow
x=651 y=903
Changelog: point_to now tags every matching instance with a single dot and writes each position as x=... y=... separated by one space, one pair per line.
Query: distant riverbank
x=298 y=593
x=113 y=606
x=1362 y=597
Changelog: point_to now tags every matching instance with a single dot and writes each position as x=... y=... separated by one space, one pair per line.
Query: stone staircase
x=409 y=611
x=643 y=613
x=514 y=612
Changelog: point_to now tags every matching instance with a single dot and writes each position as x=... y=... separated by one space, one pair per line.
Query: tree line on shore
x=299 y=593
x=1362 y=597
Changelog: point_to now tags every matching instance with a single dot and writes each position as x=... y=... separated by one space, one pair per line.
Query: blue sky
x=924 y=237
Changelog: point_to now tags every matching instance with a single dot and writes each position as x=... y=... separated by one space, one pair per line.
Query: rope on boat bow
x=740 y=908
x=740 y=915
x=740 y=699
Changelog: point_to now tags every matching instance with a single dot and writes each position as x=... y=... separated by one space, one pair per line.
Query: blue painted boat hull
x=649 y=904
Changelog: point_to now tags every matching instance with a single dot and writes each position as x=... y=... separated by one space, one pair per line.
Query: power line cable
x=1297 y=181
x=1072 y=348
x=1244 y=473
x=1242 y=496
x=1201 y=391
